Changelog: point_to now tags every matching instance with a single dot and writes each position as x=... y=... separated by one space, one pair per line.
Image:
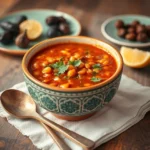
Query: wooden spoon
x=21 y=105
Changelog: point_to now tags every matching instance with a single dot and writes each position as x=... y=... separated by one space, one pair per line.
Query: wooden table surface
x=90 y=13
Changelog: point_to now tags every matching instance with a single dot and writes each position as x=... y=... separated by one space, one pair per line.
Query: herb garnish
x=75 y=63
x=97 y=66
x=60 y=66
x=95 y=79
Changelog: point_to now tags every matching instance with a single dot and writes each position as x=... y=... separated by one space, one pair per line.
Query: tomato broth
x=72 y=65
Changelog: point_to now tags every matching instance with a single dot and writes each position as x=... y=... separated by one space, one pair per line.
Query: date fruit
x=134 y=31
x=119 y=24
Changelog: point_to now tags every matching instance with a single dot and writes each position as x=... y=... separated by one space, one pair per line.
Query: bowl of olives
x=128 y=30
x=17 y=35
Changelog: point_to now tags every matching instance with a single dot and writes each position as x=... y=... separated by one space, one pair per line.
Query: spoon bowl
x=18 y=103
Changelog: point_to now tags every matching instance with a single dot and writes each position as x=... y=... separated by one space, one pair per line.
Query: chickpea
x=101 y=61
x=72 y=58
x=57 y=59
x=36 y=65
x=66 y=53
x=105 y=56
x=44 y=63
x=77 y=55
x=89 y=56
x=88 y=66
x=50 y=59
x=71 y=73
x=96 y=70
x=106 y=62
x=46 y=75
x=65 y=85
x=89 y=71
x=56 y=79
x=47 y=70
x=82 y=71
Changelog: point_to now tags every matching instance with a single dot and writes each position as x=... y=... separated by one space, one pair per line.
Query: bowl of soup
x=72 y=77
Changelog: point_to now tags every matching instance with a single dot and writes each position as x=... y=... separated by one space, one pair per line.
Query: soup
x=72 y=65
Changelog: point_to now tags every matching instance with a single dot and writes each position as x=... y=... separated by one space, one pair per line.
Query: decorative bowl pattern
x=73 y=104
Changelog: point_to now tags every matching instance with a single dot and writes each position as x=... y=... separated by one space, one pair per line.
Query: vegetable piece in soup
x=72 y=65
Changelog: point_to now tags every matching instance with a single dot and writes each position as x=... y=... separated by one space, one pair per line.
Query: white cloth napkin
x=129 y=106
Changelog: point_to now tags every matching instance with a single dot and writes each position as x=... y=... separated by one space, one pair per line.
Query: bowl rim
x=82 y=89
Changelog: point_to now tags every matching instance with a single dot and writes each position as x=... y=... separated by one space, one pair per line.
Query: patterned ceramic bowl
x=73 y=103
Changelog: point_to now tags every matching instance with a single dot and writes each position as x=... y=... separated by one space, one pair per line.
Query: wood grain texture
x=90 y=13
x=5 y=5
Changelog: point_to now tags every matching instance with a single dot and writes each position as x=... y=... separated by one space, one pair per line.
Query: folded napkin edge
x=140 y=115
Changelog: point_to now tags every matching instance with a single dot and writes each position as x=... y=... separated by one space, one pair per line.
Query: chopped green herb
x=60 y=66
x=75 y=63
x=57 y=64
x=62 y=69
x=97 y=66
x=95 y=79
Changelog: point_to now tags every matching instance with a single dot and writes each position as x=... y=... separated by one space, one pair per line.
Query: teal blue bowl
x=72 y=103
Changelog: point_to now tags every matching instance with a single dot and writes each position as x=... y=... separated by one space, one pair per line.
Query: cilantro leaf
x=75 y=63
x=60 y=66
x=57 y=64
x=95 y=79
x=97 y=66
x=62 y=69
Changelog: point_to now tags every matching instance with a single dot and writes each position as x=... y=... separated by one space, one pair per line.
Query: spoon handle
x=61 y=144
x=82 y=141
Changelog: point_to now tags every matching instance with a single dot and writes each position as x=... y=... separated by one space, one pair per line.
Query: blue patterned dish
x=73 y=103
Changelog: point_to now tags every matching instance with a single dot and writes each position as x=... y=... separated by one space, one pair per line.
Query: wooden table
x=91 y=13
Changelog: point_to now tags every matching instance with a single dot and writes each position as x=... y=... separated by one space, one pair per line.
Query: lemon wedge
x=33 y=27
x=135 y=58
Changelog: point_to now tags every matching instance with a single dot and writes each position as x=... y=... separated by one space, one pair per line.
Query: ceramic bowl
x=73 y=103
